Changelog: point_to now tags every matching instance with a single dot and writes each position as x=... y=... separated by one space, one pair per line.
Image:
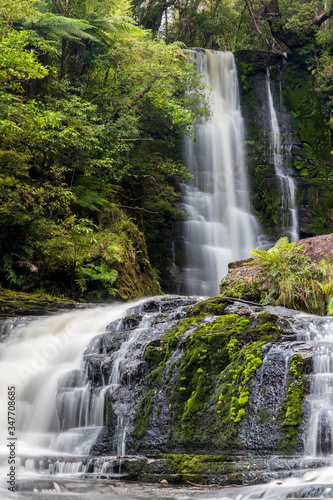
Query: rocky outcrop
x=14 y=303
x=318 y=248
x=214 y=382
x=249 y=280
x=306 y=141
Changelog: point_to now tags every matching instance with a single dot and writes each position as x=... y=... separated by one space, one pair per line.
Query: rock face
x=248 y=281
x=318 y=248
x=214 y=382
x=306 y=141
x=198 y=387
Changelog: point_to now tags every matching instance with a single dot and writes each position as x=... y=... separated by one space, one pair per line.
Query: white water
x=38 y=358
x=288 y=208
x=220 y=228
x=319 y=438
x=44 y=361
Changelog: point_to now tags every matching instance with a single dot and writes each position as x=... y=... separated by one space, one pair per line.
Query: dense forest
x=95 y=98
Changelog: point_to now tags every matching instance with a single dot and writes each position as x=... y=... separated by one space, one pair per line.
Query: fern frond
x=62 y=27
x=259 y=253
x=330 y=307
x=282 y=242
x=87 y=198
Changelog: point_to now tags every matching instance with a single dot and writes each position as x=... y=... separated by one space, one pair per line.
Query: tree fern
x=53 y=26
x=92 y=28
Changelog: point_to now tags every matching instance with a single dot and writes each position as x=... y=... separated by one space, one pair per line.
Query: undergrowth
x=296 y=281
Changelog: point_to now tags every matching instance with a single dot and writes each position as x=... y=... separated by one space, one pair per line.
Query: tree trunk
x=63 y=58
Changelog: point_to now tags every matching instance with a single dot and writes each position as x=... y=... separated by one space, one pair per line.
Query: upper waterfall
x=220 y=227
x=287 y=206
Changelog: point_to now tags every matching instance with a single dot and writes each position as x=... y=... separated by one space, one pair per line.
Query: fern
x=330 y=307
x=87 y=198
x=101 y=273
x=55 y=26
x=272 y=256
x=282 y=242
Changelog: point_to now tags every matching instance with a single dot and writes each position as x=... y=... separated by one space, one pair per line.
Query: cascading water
x=220 y=227
x=319 y=438
x=288 y=209
x=65 y=367
x=44 y=360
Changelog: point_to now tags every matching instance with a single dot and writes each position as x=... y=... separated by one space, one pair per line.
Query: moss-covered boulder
x=30 y=304
x=199 y=381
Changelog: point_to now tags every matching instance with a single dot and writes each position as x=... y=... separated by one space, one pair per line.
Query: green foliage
x=19 y=60
x=18 y=10
x=94 y=120
x=295 y=281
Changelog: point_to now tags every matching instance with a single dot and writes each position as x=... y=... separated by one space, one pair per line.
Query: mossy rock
x=14 y=303
x=214 y=307
x=135 y=274
x=208 y=388
x=292 y=407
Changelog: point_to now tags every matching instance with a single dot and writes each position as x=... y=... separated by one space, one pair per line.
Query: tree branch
x=141 y=94
x=137 y=208
x=57 y=4
x=319 y=20
x=253 y=17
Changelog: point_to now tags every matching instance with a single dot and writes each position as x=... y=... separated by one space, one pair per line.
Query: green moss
x=313 y=160
x=234 y=383
x=159 y=355
x=142 y=415
x=135 y=275
x=265 y=197
x=25 y=304
x=207 y=352
x=208 y=388
x=215 y=306
x=304 y=104
x=245 y=288
x=267 y=328
x=179 y=469
x=292 y=408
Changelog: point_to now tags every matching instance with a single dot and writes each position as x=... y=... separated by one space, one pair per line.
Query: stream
x=59 y=405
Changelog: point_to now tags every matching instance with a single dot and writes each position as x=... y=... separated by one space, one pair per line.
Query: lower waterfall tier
x=175 y=388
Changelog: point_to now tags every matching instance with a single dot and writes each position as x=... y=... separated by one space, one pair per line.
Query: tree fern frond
x=62 y=27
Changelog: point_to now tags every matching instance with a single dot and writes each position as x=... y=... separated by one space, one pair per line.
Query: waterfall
x=220 y=227
x=319 y=437
x=63 y=367
x=43 y=359
x=288 y=209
